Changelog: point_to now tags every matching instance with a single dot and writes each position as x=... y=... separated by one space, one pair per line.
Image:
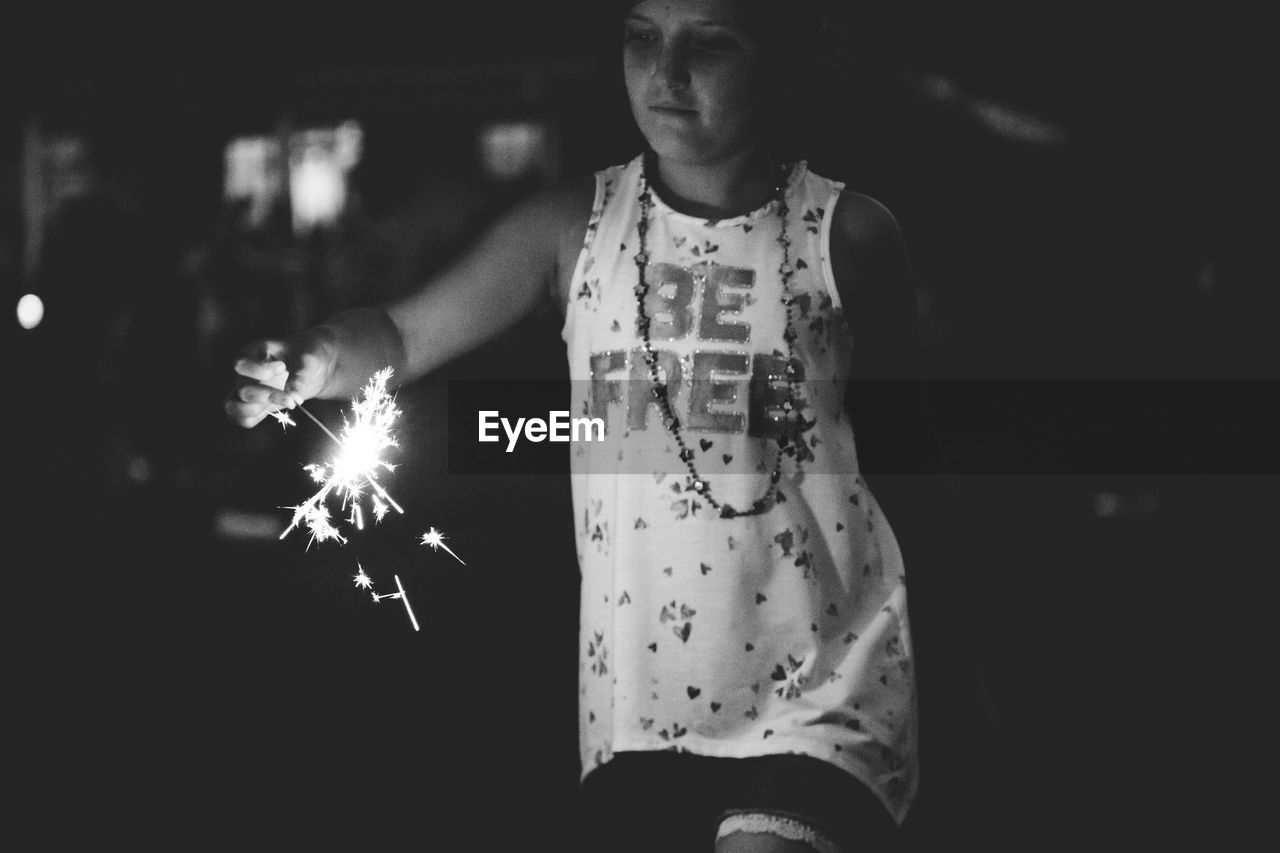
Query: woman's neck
x=730 y=187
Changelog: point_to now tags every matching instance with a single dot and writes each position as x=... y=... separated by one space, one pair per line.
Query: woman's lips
x=674 y=112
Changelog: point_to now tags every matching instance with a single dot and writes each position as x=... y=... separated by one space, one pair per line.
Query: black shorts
x=676 y=801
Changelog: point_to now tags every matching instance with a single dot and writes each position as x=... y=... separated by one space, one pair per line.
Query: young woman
x=746 y=678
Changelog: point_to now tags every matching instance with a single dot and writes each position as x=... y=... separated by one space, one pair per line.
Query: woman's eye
x=640 y=37
x=715 y=45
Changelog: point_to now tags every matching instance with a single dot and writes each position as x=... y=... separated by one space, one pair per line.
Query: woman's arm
x=517 y=265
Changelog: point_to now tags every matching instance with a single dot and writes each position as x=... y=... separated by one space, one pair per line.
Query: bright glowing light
x=30 y=311
x=362 y=580
x=318 y=190
x=283 y=417
x=356 y=465
x=320 y=160
x=435 y=539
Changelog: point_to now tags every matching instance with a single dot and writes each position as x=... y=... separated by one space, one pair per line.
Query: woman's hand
x=272 y=375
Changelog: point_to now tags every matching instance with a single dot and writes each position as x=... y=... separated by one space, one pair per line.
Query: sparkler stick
x=318 y=423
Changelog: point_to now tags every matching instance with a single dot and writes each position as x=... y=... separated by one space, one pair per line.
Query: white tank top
x=781 y=632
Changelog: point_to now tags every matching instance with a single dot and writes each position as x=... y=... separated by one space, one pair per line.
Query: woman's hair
x=792 y=40
x=788 y=32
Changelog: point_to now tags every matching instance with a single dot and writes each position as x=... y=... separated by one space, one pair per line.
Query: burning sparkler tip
x=356 y=464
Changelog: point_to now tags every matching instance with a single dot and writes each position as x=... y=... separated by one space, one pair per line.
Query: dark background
x=1087 y=195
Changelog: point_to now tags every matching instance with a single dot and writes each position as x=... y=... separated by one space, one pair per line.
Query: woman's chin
x=691 y=145
x=680 y=148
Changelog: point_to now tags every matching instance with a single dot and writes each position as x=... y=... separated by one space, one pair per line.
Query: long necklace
x=697 y=482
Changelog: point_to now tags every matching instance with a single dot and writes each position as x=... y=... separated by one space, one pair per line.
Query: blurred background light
x=68 y=171
x=320 y=160
x=254 y=175
x=513 y=149
x=30 y=311
x=318 y=191
x=1001 y=119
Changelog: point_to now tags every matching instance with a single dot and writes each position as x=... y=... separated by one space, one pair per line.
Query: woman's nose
x=671 y=66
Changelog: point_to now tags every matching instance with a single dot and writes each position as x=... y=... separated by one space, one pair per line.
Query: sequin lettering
x=719 y=299
x=711 y=391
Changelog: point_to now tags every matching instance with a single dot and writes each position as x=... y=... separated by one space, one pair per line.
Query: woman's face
x=692 y=71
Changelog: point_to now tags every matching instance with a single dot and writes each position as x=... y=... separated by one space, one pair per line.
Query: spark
x=283 y=417
x=435 y=539
x=404 y=597
x=356 y=465
x=362 y=580
x=316 y=516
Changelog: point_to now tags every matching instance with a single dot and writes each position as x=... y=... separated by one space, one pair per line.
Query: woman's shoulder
x=858 y=222
x=869 y=259
x=863 y=224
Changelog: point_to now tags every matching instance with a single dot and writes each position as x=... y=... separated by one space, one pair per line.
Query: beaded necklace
x=697 y=482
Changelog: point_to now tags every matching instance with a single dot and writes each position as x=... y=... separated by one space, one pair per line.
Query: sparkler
x=435 y=539
x=355 y=466
x=400 y=595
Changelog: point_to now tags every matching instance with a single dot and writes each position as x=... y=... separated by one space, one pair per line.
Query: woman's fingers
x=243 y=414
x=249 y=402
x=263 y=395
x=273 y=374
x=307 y=374
x=264 y=349
x=265 y=362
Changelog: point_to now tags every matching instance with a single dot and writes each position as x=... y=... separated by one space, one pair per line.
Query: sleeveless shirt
x=785 y=631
